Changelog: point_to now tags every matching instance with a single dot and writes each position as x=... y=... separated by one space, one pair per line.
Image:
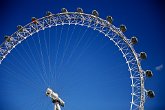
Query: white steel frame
x=103 y=26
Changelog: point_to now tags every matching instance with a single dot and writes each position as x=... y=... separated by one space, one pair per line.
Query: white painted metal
x=98 y=24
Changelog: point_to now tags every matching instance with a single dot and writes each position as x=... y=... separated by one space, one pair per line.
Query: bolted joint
x=134 y=40
x=61 y=103
x=143 y=55
x=79 y=10
x=150 y=94
x=149 y=73
x=53 y=101
x=123 y=28
x=95 y=13
x=110 y=19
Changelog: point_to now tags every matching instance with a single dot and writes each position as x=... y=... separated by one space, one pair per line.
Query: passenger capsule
x=79 y=10
x=48 y=13
x=7 y=38
x=64 y=10
x=20 y=28
x=143 y=55
x=109 y=19
x=149 y=73
x=123 y=28
x=134 y=40
x=34 y=20
x=95 y=13
x=1 y=57
x=150 y=94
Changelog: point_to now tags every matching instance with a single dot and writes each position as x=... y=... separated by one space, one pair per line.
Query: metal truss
x=105 y=27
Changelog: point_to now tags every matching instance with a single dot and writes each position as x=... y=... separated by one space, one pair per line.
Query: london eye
x=92 y=21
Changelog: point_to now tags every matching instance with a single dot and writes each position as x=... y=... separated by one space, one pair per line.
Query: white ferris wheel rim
x=96 y=23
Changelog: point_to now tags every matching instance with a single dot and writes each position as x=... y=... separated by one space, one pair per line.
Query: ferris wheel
x=105 y=27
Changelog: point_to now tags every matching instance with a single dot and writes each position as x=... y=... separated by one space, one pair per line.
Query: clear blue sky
x=93 y=73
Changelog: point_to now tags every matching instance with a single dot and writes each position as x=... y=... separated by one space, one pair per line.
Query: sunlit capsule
x=149 y=73
x=134 y=40
x=123 y=28
x=79 y=10
x=110 y=19
x=64 y=10
x=150 y=94
x=95 y=13
x=20 y=28
x=48 y=13
x=143 y=55
x=34 y=20
x=7 y=38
